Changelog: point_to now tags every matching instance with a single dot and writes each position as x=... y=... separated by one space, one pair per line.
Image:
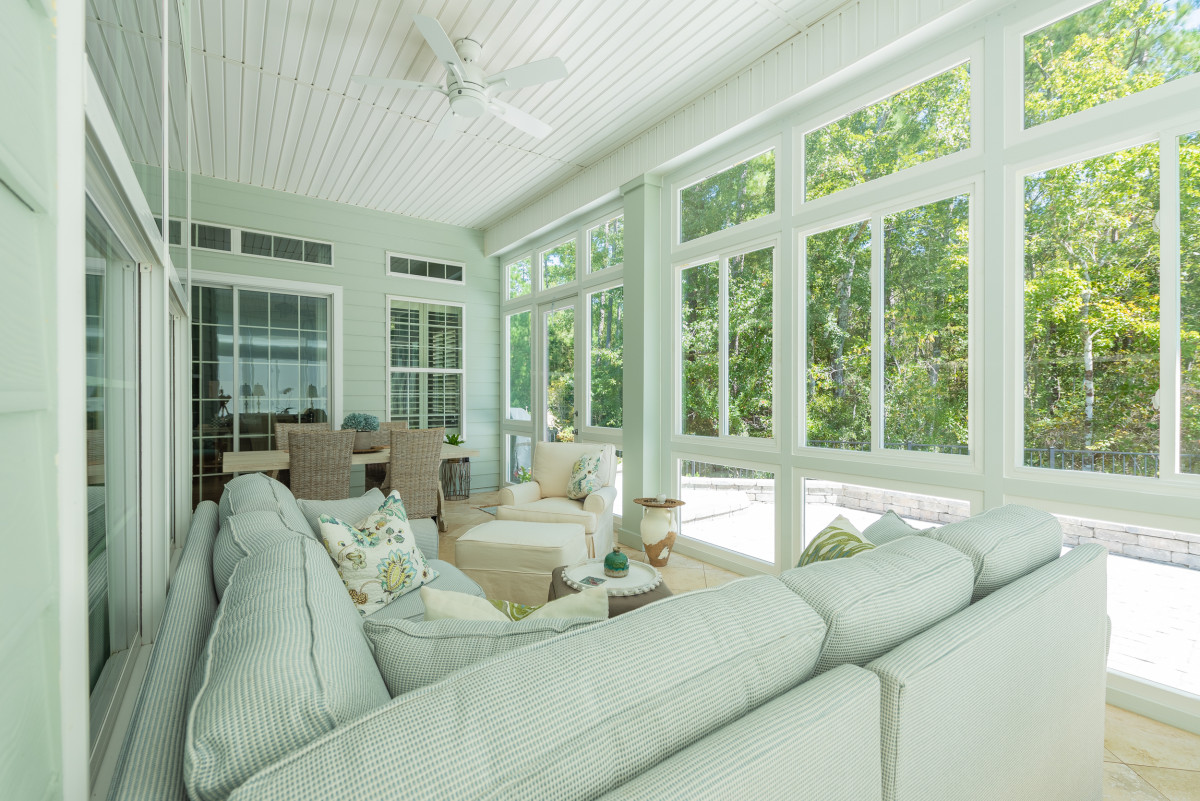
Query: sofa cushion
x=572 y=716
x=258 y=492
x=411 y=607
x=412 y=654
x=285 y=663
x=352 y=510
x=882 y=597
x=550 y=510
x=1003 y=543
x=553 y=463
x=889 y=527
x=243 y=534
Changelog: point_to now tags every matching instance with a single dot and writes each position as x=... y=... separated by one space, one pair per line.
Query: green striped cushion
x=837 y=540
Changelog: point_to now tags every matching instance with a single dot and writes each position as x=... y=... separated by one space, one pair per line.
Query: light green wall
x=361 y=237
x=30 y=731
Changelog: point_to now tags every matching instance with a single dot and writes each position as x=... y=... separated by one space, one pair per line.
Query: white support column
x=643 y=366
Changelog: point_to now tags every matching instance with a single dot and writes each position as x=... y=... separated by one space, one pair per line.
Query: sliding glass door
x=258 y=358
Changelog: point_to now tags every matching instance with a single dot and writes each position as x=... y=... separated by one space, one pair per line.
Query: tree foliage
x=607 y=333
x=744 y=192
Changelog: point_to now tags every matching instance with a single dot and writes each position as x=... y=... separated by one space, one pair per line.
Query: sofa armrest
x=600 y=501
x=514 y=494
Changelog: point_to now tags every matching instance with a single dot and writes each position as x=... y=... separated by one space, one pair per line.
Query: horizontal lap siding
x=360 y=239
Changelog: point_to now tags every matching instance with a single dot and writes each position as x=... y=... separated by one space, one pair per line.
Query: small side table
x=617 y=604
x=456 y=478
x=660 y=527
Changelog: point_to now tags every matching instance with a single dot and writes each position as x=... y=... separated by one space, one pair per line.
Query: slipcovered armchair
x=544 y=499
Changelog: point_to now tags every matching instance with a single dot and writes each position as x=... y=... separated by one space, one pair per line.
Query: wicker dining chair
x=413 y=469
x=320 y=464
x=377 y=474
x=282 y=430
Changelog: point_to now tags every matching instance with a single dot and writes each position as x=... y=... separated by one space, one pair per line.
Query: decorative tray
x=642 y=577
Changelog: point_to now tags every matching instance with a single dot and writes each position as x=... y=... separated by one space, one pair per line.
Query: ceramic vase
x=364 y=440
x=657 y=537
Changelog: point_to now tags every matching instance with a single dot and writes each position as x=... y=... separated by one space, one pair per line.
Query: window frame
x=587 y=428
x=506 y=276
x=589 y=271
x=539 y=281
x=722 y=256
x=387 y=268
x=387 y=357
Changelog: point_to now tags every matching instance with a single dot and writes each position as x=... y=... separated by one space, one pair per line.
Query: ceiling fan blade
x=450 y=126
x=531 y=74
x=519 y=119
x=440 y=44
x=397 y=83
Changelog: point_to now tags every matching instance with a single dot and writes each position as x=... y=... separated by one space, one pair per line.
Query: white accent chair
x=544 y=499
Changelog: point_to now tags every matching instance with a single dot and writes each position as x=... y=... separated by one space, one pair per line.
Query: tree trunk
x=1089 y=375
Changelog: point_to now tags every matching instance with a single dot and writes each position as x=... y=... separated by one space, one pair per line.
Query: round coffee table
x=617 y=604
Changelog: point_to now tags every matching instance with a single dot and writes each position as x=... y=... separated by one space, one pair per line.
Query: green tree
x=744 y=192
x=607 y=340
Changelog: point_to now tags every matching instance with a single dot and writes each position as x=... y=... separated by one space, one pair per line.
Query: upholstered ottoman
x=512 y=560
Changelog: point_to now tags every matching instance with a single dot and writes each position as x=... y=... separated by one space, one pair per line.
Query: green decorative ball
x=616 y=564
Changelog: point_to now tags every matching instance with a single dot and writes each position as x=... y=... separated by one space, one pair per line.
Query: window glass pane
x=838 y=313
x=730 y=507
x=558 y=265
x=1153 y=599
x=426 y=336
x=1189 y=316
x=1105 y=52
x=211 y=237
x=285 y=311
x=406 y=398
x=751 y=366
x=520 y=459
x=318 y=253
x=744 y=192
x=444 y=337
x=398 y=265
x=826 y=500
x=111 y=428
x=520 y=281
x=443 y=401
x=607 y=244
x=560 y=375
x=286 y=248
x=256 y=244
x=911 y=127
x=520 y=367
x=700 y=332
x=925 y=277
x=1091 y=315
x=313 y=314
x=253 y=307
x=405 y=334
x=607 y=356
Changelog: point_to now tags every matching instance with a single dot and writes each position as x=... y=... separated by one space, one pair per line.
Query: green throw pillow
x=837 y=540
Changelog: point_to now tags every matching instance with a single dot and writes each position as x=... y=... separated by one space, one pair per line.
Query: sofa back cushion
x=553 y=463
x=572 y=716
x=1003 y=543
x=243 y=534
x=876 y=600
x=412 y=654
x=286 y=662
x=258 y=492
x=350 y=510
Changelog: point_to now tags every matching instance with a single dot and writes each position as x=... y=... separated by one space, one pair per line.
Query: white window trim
x=506 y=277
x=387 y=268
x=770 y=221
x=539 y=281
x=586 y=239
x=387 y=357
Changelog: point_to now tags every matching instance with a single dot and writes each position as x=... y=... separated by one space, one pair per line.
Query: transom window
x=558 y=264
x=916 y=125
x=739 y=194
x=606 y=244
x=518 y=278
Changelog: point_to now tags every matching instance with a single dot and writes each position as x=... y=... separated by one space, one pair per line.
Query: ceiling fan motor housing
x=468 y=97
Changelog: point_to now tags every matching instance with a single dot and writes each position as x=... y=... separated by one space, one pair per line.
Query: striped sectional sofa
x=967 y=662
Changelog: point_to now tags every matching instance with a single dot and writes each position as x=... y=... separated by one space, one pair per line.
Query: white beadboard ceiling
x=273 y=104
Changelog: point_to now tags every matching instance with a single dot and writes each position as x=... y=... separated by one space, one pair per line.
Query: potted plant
x=366 y=425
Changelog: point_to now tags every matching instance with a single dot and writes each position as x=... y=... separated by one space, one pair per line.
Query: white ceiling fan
x=471 y=93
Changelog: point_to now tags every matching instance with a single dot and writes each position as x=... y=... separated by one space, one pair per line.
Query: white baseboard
x=1164 y=704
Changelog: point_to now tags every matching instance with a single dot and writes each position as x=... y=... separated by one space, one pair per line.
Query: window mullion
x=723 y=344
x=237 y=370
x=877 y=342
x=1169 y=305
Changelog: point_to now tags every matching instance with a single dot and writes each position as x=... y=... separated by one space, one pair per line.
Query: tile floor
x=1144 y=760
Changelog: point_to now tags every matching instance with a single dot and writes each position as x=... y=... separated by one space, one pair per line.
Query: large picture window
x=425 y=367
x=919 y=124
x=726 y=335
x=1091 y=314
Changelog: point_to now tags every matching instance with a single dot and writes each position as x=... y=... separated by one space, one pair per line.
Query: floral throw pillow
x=837 y=540
x=585 y=477
x=378 y=559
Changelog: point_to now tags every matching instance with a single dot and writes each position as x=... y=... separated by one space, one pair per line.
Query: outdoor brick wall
x=1139 y=542
x=905 y=504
